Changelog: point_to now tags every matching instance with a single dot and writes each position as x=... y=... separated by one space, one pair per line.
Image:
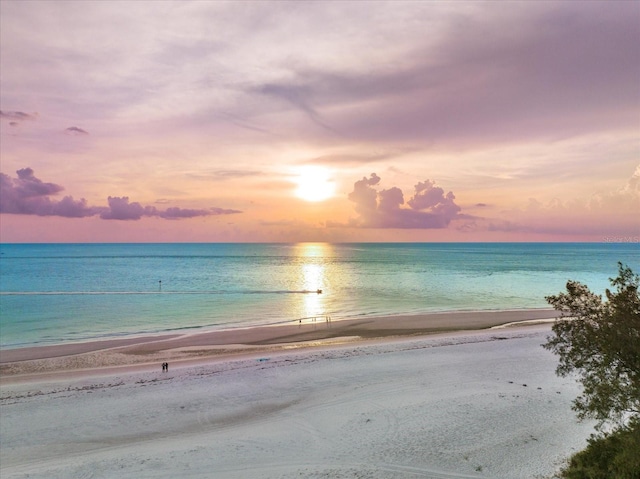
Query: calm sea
x=54 y=293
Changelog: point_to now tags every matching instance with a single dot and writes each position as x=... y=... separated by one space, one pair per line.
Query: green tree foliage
x=614 y=455
x=600 y=342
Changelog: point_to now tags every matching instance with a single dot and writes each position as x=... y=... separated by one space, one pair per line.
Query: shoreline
x=96 y=357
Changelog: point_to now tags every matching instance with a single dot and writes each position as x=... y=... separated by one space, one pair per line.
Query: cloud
x=74 y=130
x=364 y=196
x=613 y=212
x=625 y=198
x=225 y=174
x=633 y=185
x=529 y=72
x=121 y=209
x=18 y=115
x=431 y=197
x=342 y=159
x=28 y=195
x=299 y=97
x=503 y=100
x=429 y=207
x=243 y=123
x=176 y=213
x=27 y=185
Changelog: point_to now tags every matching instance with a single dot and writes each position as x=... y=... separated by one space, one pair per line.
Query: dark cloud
x=28 y=195
x=18 y=115
x=430 y=207
x=74 y=130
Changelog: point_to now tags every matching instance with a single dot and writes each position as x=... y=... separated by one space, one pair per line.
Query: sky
x=340 y=121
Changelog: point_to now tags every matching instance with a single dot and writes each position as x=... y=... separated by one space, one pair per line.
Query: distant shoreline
x=150 y=349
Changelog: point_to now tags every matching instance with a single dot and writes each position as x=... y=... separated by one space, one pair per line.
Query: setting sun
x=314 y=184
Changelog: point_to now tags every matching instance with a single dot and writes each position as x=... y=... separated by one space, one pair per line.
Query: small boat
x=319 y=291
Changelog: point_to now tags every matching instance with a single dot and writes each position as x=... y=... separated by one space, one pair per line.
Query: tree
x=600 y=341
x=608 y=456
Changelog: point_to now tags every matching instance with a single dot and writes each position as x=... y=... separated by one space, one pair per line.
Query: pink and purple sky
x=319 y=121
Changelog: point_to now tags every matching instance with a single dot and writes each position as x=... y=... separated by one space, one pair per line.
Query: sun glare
x=314 y=184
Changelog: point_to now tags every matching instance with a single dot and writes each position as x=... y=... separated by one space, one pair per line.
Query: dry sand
x=447 y=405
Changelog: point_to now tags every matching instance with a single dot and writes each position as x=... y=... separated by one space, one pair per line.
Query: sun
x=314 y=184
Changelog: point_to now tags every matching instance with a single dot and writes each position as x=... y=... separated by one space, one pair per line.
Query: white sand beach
x=449 y=405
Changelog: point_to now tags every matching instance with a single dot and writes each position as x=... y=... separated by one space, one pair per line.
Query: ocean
x=57 y=293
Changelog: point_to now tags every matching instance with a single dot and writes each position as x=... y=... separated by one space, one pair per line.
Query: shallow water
x=52 y=293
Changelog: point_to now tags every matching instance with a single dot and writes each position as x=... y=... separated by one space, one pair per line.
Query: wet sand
x=57 y=359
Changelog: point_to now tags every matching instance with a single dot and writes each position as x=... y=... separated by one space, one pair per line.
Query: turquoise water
x=53 y=293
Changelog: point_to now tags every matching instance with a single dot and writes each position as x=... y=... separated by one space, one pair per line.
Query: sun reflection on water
x=313 y=273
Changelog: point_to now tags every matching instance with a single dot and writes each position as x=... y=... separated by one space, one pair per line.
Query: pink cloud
x=176 y=213
x=528 y=73
x=429 y=208
x=28 y=195
x=74 y=130
x=27 y=185
x=18 y=115
x=121 y=209
x=602 y=215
